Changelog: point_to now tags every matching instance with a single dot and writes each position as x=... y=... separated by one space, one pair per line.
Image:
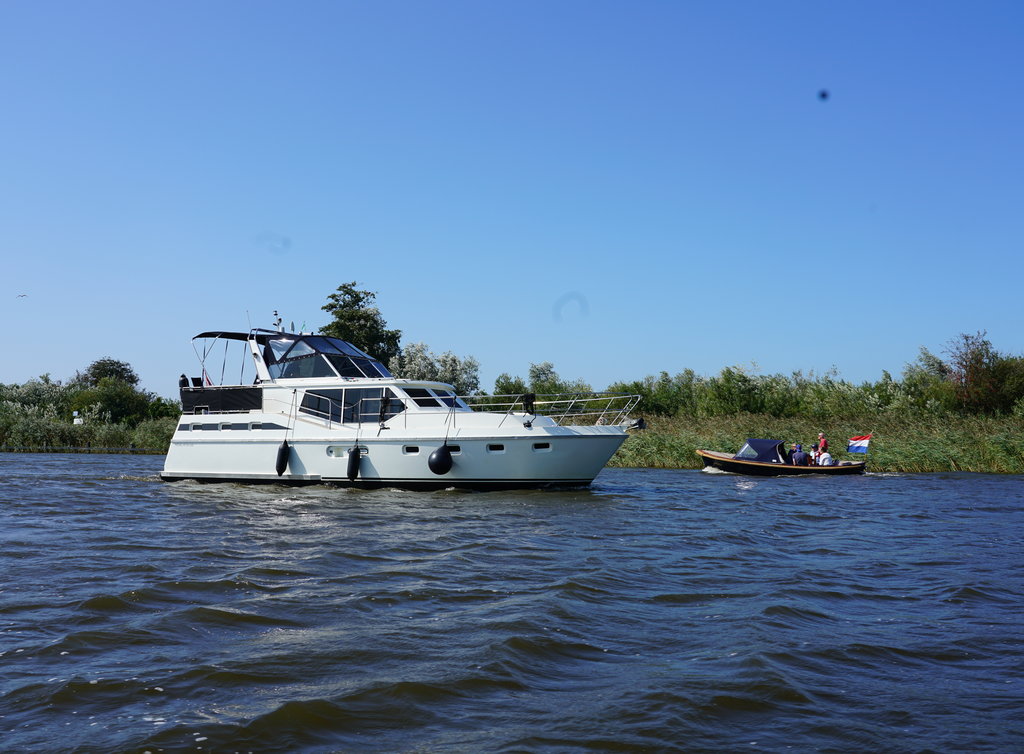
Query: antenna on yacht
x=277 y=320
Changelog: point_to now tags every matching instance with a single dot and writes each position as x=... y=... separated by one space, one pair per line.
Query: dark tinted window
x=373 y=368
x=422 y=397
x=447 y=397
x=348 y=348
x=345 y=366
x=323 y=403
x=309 y=366
x=324 y=345
x=363 y=405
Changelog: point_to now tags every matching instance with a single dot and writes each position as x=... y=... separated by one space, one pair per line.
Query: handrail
x=586 y=408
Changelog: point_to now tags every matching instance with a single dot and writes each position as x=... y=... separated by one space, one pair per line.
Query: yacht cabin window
x=301 y=356
x=434 y=398
x=352 y=405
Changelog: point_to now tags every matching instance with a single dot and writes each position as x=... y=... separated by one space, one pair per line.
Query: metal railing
x=580 y=408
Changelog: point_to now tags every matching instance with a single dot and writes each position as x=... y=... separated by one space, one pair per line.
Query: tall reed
x=970 y=443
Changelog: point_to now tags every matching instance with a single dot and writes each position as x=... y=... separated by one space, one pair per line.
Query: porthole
x=341 y=451
x=495 y=448
x=411 y=450
x=542 y=447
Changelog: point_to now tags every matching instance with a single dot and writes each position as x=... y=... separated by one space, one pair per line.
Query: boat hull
x=545 y=457
x=725 y=462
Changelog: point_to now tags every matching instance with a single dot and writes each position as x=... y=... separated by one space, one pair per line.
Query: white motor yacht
x=319 y=410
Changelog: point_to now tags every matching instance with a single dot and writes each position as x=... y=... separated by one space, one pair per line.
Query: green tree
x=926 y=384
x=417 y=362
x=972 y=370
x=506 y=384
x=544 y=380
x=359 y=322
x=116 y=400
x=107 y=367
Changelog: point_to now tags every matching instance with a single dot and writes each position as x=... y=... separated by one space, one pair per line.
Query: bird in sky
x=22 y=295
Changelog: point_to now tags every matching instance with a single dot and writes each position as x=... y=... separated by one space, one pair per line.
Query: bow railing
x=576 y=408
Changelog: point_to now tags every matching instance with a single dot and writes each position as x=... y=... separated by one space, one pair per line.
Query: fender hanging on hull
x=354 y=456
x=283 y=452
x=440 y=461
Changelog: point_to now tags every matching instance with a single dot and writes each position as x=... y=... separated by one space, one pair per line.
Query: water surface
x=655 y=611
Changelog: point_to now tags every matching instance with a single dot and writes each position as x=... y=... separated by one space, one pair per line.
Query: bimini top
x=290 y=355
x=763 y=451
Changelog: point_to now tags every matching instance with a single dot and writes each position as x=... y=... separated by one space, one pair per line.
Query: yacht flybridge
x=319 y=410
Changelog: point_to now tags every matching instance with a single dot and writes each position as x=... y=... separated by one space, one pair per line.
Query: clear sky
x=619 y=188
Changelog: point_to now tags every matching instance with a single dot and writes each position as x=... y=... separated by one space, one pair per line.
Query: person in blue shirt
x=799 y=457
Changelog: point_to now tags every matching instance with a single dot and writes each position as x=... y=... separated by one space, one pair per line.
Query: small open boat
x=768 y=458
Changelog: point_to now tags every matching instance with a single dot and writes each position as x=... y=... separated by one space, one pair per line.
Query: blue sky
x=618 y=188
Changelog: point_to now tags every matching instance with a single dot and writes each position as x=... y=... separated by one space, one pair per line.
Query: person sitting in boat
x=825 y=459
x=814 y=454
x=800 y=458
x=790 y=452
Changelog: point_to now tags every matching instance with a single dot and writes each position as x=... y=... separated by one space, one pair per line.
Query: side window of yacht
x=373 y=368
x=395 y=405
x=323 y=403
x=363 y=404
x=448 y=398
x=422 y=397
x=346 y=367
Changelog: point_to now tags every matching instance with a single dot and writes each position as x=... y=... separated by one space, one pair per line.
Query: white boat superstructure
x=319 y=410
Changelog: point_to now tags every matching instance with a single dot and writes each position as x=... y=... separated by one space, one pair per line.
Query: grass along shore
x=972 y=443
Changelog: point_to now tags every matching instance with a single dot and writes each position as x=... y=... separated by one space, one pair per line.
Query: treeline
x=101 y=407
x=973 y=380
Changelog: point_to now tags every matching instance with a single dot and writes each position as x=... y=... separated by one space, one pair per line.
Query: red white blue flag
x=858 y=444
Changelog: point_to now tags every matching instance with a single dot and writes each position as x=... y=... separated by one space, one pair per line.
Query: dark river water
x=655 y=611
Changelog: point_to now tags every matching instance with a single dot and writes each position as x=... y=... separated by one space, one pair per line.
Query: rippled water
x=656 y=611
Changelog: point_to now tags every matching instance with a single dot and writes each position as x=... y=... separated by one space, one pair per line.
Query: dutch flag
x=858 y=444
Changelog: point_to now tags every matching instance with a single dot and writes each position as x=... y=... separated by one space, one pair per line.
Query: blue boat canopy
x=291 y=355
x=764 y=451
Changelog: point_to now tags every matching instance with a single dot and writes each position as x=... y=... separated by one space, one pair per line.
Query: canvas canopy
x=764 y=451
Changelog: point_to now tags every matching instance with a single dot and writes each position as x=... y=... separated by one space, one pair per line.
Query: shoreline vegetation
x=984 y=444
x=964 y=412
x=899 y=444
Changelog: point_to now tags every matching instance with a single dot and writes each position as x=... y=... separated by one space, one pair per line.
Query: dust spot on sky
x=570 y=303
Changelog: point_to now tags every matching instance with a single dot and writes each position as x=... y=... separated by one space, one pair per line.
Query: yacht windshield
x=292 y=356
